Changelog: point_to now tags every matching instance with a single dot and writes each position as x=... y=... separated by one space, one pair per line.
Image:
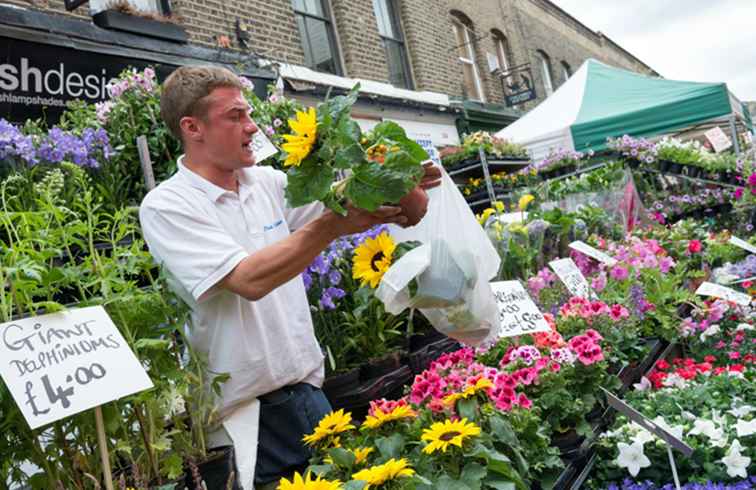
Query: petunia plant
x=379 y=167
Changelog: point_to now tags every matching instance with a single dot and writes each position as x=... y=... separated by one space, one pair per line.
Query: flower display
x=331 y=425
x=380 y=474
x=441 y=435
x=377 y=417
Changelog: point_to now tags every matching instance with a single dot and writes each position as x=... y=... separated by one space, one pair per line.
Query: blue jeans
x=287 y=415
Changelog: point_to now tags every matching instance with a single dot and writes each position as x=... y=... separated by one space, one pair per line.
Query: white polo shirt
x=200 y=232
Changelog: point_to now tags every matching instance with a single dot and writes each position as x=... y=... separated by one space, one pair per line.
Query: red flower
x=738 y=368
x=710 y=358
x=662 y=364
x=694 y=246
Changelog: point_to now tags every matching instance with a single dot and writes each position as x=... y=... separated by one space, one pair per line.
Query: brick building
x=438 y=62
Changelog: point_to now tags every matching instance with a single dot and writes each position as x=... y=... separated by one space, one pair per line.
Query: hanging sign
x=592 y=252
x=742 y=244
x=518 y=314
x=717 y=291
x=574 y=280
x=718 y=139
x=262 y=148
x=61 y=364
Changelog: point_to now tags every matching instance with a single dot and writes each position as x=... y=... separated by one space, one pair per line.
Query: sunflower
x=299 y=145
x=378 y=475
x=372 y=259
x=380 y=417
x=360 y=455
x=524 y=201
x=307 y=483
x=332 y=424
x=480 y=385
x=443 y=434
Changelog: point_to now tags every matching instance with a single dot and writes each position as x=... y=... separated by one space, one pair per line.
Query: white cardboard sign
x=509 y=218
x=518 y=315
x=574 y=280
x=717 y=291
x=742 y=244
x=63 y=363
x=592 y=252
x=718 y=139
x=262 y=148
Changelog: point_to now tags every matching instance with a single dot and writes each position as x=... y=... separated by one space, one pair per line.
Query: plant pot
x=633 y=163
x=341 y=382
x=414 y=205
x=664 y=166
x=418 y=341
x=693 y=171
x=675 y=168
x=567 y=442
x=217 y=471
x=697 y=213
x=112 y=19
x=376 y=368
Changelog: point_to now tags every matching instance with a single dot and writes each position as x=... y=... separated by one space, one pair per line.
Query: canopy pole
x=734 y=132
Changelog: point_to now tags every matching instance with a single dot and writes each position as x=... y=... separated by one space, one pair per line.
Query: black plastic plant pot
x=219 y=471
x=693 y=171
x=341 y=382
x=675 y=168
x=567 y=443
x=664 y=165
x=376 y=368
x=420 y=340
x=698 y=213
x=633 y=163
x=420 y=360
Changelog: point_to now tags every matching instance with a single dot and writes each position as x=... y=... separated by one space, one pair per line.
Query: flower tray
x=218 y=471
x=358 y=400
x=420 y=360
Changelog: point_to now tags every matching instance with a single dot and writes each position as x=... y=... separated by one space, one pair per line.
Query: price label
x=518 y=314
x=574 y=280
x=60 y=364
x=592 y=252
x=717 y=291
x=262 y=148
x=718 y=139
x=742 y=244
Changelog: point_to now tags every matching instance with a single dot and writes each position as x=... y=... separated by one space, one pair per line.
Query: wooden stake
x=103 y=443
x=144 y=158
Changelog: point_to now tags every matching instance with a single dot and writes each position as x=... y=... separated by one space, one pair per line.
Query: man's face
x=227 y=129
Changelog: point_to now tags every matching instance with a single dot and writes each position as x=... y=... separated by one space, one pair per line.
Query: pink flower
x=720 y=345
x=555 y=367
x=665 y=264
x=752 y=180
x=734 y=355
x=694 y=246
x=599 y=282
x=618 y=312
x=738 y=193
x=618 y=273
x=523 y=401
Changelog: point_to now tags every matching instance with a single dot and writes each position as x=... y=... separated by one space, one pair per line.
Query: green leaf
x=390 y=447
x=349 y=152
x=500 y=484
x=342 y=457
x=472 y=474
x=354 y=485
x=333 y=202
x=372 y=185
x=173 y=466
x=158 y=344
x=503 y=431
x=584 y=428
x=446 y=483
x=468 y=408
x=308 y=182
x=320 y=469
x=392 y=131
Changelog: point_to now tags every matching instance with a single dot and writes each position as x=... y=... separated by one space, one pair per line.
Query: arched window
x=545 y=62
x=464 y=39
x=503 y=53
x=566 y=70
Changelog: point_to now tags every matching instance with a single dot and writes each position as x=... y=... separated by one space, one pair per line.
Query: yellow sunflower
x=380 y=417
x=524 y=201
x=332 y=424
x=360 y=455
x=372 y=259
x=299 y=144
x=480 y=385
x=378 y=475
x=307 y=483
x=441 y=435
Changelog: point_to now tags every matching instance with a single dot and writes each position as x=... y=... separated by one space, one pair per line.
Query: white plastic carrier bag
x=452 y=269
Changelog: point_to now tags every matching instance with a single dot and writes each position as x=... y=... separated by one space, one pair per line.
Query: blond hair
x=185 y=92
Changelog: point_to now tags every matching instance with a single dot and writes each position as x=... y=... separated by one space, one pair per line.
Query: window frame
x=330 y=32
x=502 y=51
x=471 y=61
x=548 y=81
x=392 y=14
x=566 y=70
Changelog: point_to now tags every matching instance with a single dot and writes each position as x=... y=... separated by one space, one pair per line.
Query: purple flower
x=331 y=293
x=619 y=273
x=307 y=279
x=269 y=131
x=334 y=277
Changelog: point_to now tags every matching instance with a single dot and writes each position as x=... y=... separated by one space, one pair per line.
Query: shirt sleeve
x=195 y=249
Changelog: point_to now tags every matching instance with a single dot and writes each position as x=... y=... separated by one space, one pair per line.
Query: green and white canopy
x=600 y=101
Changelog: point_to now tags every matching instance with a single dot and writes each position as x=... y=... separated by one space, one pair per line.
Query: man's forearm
x=268 y=268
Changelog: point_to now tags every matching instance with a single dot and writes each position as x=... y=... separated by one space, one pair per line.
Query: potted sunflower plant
x=330 y=159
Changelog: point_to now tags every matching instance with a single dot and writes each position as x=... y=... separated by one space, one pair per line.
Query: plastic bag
x=452 y=269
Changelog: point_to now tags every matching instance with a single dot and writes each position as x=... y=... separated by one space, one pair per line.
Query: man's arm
x=268 y=268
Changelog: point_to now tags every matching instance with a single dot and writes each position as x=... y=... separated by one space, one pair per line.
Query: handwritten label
x=508 y=218
x=262 y=148
x=647 y=424
x=718 y=139
x=574 y=280
x=60 y=364
x=592 y=252
x=742 y=244
x=717 y=291
x=518 y=314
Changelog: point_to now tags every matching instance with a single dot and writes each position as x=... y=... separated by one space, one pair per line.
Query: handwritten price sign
x=518 y=314
x=572 y=278
x=64 y=363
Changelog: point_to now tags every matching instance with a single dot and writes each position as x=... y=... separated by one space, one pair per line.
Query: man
x=234 y=251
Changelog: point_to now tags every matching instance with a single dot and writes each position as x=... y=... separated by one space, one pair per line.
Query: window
x=466 y=51
x=545 y=62
x=502 y=51
x=148 y=6
x=390 y=30
x=316 y=31
x=566 y=70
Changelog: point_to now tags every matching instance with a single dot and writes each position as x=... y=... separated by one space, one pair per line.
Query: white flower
x=675 y=380
x=644 y=384
x=709 y=332
x=688 y=415
x=736 y=463
x=675 y=430
x=631 y=457
x=745 y=428
x=642 y=436
x=743 y=326
x=707 y=428
x=741 y=411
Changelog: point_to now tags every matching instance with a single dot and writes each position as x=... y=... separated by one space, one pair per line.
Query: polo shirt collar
x=214 y=192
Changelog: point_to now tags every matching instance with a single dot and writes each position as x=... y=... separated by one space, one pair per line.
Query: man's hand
x=432 y=177
x=358 y=220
